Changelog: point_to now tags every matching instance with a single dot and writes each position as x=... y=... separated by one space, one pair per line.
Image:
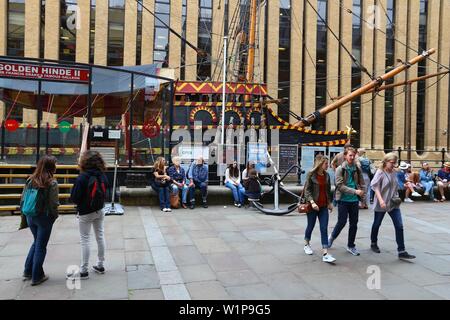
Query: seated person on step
x=198 y=175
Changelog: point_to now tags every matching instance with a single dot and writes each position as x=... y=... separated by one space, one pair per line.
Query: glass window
x=139 y=34
x=92 y=33
x=183 y=44
x=161 y=39
x=421 y=85
x=116 y=32
x=16 y=28
x=68 y=34
x=390 y=63
x=356 y=72
x=204 y=39
x=321 y=64
x=284 y=49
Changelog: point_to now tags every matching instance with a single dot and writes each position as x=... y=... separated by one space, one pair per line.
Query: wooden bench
x=18 y=196
x=20 y=186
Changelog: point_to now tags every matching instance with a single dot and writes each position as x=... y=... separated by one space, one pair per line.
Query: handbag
x=174 y=200
x=304 y=207
x=396 y=201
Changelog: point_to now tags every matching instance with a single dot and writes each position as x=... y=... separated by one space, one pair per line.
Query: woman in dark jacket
x=318 y=193
x=88 y=193
x=42 y=223
x=253 y=185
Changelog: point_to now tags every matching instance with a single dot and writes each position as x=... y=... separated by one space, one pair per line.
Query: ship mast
x=251 y=44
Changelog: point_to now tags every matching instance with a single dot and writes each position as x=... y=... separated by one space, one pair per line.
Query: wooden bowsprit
x=372 y=86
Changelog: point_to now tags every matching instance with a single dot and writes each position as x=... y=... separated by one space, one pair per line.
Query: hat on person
x=403 y=165
x=447 y=164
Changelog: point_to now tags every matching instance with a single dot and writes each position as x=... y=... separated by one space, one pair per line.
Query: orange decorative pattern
x=216 y=88
x=198 y=109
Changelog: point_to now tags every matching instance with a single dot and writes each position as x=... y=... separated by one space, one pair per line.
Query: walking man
x=350 y=189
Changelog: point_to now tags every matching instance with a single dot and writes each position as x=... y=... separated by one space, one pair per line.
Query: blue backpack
x=30 y=205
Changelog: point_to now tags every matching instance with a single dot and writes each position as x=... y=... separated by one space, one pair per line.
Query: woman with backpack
x=39 y=204
x=89 y=194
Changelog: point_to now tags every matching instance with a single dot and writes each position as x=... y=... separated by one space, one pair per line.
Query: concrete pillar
x=273 y=42
x=295 y=101
x=401 y=7
x=192 y=37
x=148 y=32
x=443 y=85
x=130 y=33
x=413 y=33
x=309 y=60
x=431 y=102
x=32 y=28
x=367 y=59
x=83 y=34
x=346 y=64
x=332 y=62
x=3 y=26
x=52 y=29
x=217 y=41
x=379 y=66
x=101 y=33
x=176 y=11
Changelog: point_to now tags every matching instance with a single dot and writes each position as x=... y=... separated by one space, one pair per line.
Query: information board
x=287 y=157
x=308 y=156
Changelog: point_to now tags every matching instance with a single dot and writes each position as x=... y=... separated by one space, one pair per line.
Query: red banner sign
x=43 y=72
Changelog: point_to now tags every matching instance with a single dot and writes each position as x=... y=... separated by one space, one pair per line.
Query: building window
x=321 y=64
x=116 y=25
x=390 y=64
x=356 y=72
x=204 y=39
x=284 y=58
x=183 y=44
x=68 y=34
x=421 y=85
x=92 y=33
x=139 y=34
x=16 y=28
x=161 y=45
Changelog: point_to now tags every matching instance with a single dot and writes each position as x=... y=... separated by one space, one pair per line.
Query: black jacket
x=79 y=194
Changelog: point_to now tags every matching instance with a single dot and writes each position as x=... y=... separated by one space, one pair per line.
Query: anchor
x=276 y=183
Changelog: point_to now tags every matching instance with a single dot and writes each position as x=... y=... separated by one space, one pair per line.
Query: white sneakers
x=308 y=249
x=328 y=258
x=167 y=210
x=408 y=200
x=416 y=194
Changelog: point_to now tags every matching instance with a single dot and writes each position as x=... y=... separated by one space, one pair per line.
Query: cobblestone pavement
x=231 y=253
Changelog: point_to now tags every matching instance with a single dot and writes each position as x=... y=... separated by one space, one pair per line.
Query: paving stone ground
x=232 y=253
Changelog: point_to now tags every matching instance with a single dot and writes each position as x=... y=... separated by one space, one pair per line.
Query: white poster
x=308 y=156
x=332 y=152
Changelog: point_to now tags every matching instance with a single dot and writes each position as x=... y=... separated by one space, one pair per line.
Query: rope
x=14 y=104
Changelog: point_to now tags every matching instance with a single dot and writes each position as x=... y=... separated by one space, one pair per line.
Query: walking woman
x=233 y=182
x=384 y=184
x=318 y=193
x=163 y=182
x=42 y=219
x=89 y=193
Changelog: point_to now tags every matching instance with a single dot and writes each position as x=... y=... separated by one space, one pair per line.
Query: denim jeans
x=203 y=186
x=164 y=197
x=350 y=211
x=86 y=222
x=312 y=216
x=238 y=192
x=41 y=228
x=396 y=217
x=428 y=186
x=184 y=192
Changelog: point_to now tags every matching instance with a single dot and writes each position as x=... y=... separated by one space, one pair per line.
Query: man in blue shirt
x=443 y=180
x=350 y=189
x=198 y=175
